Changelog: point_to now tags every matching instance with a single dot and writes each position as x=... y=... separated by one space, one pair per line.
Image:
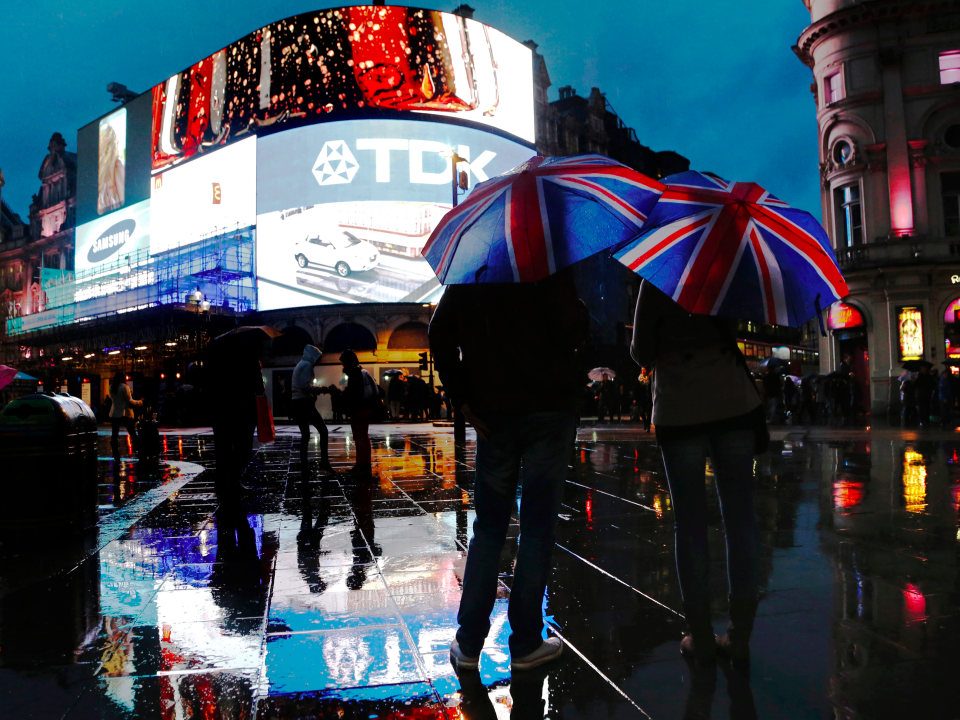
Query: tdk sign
x=356 y=161
x=114 y=238
x=336 y=165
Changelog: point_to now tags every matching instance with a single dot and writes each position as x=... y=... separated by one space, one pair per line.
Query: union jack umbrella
x=538 y=218
x=733 y=249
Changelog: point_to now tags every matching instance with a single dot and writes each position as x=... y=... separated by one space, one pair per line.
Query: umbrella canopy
x=7 y=374
x=915 y=365
x=264 y=330
x=773 y=362
x=597 y=373
x=539 y=218
x=394 y=372
x=733 y=249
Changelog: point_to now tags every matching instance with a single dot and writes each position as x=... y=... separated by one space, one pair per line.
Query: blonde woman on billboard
x=112 y=175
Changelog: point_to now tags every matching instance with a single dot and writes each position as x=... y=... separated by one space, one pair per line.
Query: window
x=833 y=88
x=842 y=152
x=950 y=193
x=849 y=216
x=949 y=67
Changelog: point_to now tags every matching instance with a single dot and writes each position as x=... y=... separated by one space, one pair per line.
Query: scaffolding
x=221 y=265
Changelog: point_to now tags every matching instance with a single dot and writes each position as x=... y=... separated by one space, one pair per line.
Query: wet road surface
x=333 y=598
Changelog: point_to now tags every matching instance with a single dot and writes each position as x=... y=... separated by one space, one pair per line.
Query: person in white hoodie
x=304 y=407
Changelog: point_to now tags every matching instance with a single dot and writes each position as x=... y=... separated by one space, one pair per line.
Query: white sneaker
x=461 y=661
x=549 y=650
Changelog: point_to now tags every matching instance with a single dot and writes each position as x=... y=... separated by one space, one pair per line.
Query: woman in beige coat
x=704 y=403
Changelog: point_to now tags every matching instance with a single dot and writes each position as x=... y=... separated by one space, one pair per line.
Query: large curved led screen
x=344 y=208
x=313 y=154
x=330 y=64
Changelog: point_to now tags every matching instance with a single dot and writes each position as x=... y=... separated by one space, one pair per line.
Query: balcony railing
x=916 y=250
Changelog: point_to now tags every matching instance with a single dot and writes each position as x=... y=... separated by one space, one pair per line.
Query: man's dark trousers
x=541 y=444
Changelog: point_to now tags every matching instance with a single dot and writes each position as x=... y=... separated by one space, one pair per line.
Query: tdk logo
x=337 y=165
x=111 y=241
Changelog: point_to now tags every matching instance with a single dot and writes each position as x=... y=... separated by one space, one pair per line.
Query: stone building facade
x=886 y=83
x=46 y=242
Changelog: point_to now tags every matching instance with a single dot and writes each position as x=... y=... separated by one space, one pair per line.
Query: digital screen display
x=844 y=316
x=910 y=324
x=328 y=64
x=344 y=208
x=111 y=162
x=102 y=243
x=214 y=194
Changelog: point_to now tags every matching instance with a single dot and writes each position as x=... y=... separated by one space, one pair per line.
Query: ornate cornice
x=867 y=14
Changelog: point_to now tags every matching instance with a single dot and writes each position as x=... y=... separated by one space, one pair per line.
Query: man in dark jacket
x=925 y=387
x=532 y=332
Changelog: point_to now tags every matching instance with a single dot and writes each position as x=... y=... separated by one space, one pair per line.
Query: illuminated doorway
x=951 y=335
x=850 y=332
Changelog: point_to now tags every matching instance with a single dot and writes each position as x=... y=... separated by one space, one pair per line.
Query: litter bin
x=48 y=448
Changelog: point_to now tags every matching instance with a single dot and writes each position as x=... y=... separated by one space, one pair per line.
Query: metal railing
x=915 y=250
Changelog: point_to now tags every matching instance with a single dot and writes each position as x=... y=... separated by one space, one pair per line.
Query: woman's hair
x=119 y=377
x=349 y=358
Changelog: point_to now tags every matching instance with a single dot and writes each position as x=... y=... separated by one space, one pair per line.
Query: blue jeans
x=731 y=453
x=540 y=443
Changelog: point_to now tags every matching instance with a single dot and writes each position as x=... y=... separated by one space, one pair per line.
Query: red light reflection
x=914 y=603
x=847 y=494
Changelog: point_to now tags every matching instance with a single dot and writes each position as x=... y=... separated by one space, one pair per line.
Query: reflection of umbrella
x=732 y=249
x=773 y=362
x=7 y=374
x=915 y=365
x=539 y=218
x=598 y=373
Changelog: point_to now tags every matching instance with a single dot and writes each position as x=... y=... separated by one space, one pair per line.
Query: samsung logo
x=111 y=241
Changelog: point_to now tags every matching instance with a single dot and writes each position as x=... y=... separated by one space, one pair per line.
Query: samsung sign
x=375 y=160
x=102 y=242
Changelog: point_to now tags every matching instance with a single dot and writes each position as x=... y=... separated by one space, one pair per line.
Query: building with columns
x=886 y=85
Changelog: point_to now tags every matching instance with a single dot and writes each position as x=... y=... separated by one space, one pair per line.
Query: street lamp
x=458 y=180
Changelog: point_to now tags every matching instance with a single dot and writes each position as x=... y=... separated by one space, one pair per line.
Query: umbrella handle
x=816 y=304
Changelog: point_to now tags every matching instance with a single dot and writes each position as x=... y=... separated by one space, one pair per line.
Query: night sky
x=715 y=81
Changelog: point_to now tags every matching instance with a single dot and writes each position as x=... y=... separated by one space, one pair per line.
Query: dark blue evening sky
x=715 y=81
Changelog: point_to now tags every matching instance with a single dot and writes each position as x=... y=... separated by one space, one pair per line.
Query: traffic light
x=424 y=361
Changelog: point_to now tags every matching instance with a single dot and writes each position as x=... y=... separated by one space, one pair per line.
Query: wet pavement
x=333 y=598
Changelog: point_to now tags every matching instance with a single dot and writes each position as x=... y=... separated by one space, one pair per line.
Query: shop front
x=849 y=330
x=951 y=335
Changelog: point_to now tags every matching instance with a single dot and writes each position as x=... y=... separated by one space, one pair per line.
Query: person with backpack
x=362 y=397
x=705 y=403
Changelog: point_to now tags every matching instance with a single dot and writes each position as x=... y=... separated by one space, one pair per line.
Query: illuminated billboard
x=344 y=208
x=111 y=162
x=333 y=64
x=910 y=325
x=120 y=234
x=214 y=194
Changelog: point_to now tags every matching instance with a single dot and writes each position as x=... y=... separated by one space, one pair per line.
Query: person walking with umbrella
x=304 y=408
x=232 y=381
x=925 y=388
x=716 y=249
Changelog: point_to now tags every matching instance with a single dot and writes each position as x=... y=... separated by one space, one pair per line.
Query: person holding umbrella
x=232 y=381
x=714 y=249
x=121 y=412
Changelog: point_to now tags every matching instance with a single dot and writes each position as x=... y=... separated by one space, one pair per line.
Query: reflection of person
x=704 y=403
x=121 y=411
x=232 y=383
x=311 y=535
x=361 y=396
x=111 y=173
x=534 y=330
x=304 y=407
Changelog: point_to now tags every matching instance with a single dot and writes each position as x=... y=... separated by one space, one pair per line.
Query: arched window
x=349 y=336
x=292 y=342
x=409 y=336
